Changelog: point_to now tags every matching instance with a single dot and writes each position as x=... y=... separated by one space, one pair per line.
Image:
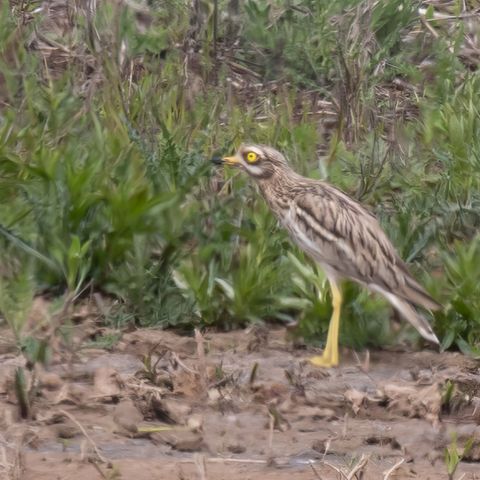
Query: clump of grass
x=16 y=300
x=458 y=323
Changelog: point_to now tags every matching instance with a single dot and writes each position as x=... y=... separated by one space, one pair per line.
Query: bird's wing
x=339 y=233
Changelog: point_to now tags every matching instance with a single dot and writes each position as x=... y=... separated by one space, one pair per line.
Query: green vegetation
x=108 y=121
x=453 y=456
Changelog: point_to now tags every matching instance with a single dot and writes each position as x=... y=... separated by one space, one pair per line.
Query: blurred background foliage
x=109 y=116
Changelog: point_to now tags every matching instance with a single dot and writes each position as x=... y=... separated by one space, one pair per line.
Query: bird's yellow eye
x=252 y=157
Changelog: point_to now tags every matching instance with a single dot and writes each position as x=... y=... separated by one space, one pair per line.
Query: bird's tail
x=409 y=313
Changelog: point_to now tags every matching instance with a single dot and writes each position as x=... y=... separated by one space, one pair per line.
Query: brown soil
x=240 y=405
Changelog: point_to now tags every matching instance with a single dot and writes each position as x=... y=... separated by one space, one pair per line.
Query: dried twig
x=387 y=473
x=231 y=378
x=183 y=365
x=271 y=424
x=11 y=459
x=441 y=16
x=199 y=461
x=314 y=470
x=429 y=28
x=345 y=426
x=99 y=470
x=333 y=467
x=327 y=448
x=366 y=363
x=364 y=366
x=253 y=374
x=86 y=435
x=202 y=363
x=359 y=466
x=228 y=460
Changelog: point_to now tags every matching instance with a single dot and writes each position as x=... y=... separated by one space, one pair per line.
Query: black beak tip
x=217 y=160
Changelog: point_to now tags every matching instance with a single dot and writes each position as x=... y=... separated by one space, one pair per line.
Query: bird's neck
x=279 y=188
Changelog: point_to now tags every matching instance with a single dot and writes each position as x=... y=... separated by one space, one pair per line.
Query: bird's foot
x=325 y=361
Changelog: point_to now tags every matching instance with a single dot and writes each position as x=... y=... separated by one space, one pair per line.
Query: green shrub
x=105 y=178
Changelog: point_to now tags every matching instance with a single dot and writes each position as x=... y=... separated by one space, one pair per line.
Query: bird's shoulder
x=326 y=203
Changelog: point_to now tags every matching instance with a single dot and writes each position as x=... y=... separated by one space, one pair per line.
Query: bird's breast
x=300 y=236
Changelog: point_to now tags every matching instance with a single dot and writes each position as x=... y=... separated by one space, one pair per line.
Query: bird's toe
x=323 y=361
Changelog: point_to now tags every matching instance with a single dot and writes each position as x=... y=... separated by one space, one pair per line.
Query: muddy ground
x=240 y=405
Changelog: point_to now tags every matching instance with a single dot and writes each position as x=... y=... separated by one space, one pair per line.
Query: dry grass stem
x=98 y=469
x=11 y=463
x=199 y=461
x=366 y=362
x=359 y=466
x=314 y=470
x=271 y=424
x=333 y=467
x=387 y=473
x=176 y=358
x=86 y=435
x=345 y=426
x=202 y=362
x=252 y=461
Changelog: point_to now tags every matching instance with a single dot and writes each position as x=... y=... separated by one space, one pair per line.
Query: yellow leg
x=330 y=354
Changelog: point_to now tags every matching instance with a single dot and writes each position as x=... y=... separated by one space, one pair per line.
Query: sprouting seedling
x=453 y=457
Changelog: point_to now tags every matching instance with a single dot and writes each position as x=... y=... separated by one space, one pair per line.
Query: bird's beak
x=230 y=160
x=226 y=160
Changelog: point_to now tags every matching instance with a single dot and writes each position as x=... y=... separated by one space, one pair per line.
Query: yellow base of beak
x=230 y=160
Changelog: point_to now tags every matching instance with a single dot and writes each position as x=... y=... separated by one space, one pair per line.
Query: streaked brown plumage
x=339 y=234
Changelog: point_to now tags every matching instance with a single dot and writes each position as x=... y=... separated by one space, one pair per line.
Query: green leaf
x=226 y=287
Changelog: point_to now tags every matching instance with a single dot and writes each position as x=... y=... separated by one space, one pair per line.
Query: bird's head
x=259 y=161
